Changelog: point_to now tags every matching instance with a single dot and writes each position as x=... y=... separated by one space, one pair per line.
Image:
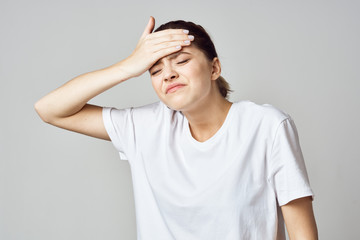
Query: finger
x=170 y=38
x=167 y=32
x=163 y=52
x=173 y=44
x=149 y=27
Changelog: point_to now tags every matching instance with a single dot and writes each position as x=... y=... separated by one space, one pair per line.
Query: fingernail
x=191 y=37
x=187 y=41
x=186 y=31
x=178 y=47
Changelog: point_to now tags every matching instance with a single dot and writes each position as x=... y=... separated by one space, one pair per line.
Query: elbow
x=41 y=111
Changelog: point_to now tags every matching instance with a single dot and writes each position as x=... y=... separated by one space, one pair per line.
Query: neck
x=208 y=117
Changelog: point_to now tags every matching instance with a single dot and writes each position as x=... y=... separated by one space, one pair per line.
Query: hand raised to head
x=153 y=46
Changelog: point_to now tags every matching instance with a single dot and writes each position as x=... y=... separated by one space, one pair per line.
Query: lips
x=173 y=87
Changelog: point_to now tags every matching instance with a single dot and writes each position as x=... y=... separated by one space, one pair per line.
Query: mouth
x=174 y=87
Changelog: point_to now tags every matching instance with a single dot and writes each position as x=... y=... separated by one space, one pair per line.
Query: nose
x=170 y=74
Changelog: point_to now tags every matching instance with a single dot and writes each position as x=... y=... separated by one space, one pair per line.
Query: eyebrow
x=170 y=57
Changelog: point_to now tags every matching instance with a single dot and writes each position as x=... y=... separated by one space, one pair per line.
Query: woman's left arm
x=299 y=219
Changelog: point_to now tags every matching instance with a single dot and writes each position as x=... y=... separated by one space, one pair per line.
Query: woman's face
x=182 y=80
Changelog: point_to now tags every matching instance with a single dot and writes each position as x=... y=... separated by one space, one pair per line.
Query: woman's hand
x=152 y=47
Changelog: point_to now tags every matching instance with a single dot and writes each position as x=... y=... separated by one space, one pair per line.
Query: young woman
x=202 y=167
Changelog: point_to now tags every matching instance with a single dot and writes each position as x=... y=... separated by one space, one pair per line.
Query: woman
x=202 y=166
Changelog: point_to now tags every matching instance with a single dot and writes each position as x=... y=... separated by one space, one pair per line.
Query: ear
x=216 y=69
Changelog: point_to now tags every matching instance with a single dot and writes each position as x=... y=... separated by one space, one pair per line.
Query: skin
x=299 y=219
x=190 y=68
x=66 y=107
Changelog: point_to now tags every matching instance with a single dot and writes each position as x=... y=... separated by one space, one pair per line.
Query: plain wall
x=300 y=56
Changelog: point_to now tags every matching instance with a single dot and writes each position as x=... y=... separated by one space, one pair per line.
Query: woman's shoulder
x=142 y=111
x=265 y=111
x=157 y=110
x=150 y=107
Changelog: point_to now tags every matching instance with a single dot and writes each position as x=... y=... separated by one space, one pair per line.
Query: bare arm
x=299 y=219
x=67 y=107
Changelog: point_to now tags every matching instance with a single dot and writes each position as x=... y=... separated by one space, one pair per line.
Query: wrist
x=120 y=71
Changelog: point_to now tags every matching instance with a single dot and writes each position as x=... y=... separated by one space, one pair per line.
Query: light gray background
x=300 y=56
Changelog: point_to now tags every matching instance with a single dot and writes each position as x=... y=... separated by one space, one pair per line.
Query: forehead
x=186 y=51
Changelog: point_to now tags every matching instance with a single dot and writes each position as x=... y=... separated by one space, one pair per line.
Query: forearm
x=299 y=219
x=73 y=95
x=305 y=231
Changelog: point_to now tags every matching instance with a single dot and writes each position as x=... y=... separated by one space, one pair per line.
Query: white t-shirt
x=229 y=187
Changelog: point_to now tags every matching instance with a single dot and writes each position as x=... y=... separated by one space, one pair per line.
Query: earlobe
x=216 y=69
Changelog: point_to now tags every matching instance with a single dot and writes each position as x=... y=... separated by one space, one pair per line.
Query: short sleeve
x=119 y=126
x=288 y=171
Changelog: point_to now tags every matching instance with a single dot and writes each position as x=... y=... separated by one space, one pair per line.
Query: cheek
x=191 y=71
x=201 y=75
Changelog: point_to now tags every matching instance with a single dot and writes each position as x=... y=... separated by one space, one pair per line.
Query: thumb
x=149 y=27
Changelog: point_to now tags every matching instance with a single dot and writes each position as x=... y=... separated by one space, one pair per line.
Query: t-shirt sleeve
x=119 y=126
x=288 y=171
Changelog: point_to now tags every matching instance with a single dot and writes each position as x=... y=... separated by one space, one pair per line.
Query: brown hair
x=203 y=42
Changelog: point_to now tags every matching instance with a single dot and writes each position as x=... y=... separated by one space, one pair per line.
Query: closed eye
x=177 y=63
x=183 y=61
x=155 y=72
